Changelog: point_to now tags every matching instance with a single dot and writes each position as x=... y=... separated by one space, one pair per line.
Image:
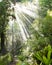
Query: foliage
x=45 y=5
x=37 y=40
x=18 y=1
x=21 y=63
x=47 y=27
x=22 y=60
x=4 y=19
x=41 y=37
x=4 y=60
x=21 y=57
x=3 y=15
x=44 y=56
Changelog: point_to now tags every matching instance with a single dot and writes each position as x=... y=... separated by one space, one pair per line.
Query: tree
x=3 y=22
x=47 y=27
x=4 y=19
x=44 y=6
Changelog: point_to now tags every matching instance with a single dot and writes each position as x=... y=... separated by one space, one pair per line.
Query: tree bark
x=3 y=49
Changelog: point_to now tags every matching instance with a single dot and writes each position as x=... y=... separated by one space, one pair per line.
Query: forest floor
x=14 y=61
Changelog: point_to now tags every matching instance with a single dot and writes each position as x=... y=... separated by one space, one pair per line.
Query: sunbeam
x=20 y=10
x=23 y=25
x=20 y=25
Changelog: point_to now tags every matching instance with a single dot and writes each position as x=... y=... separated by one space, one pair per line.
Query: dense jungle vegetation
x=25 y=32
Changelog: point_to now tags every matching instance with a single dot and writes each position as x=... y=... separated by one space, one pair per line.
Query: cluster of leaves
x=21 y=57
x=47 y=27
x=3 y=15
x=44 y=56
x=45 y=5
x=22 y=63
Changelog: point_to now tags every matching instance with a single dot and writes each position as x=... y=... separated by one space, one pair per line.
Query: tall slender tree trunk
x=3 y=49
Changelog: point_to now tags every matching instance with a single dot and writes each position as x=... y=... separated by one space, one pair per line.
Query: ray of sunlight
x=21 y=10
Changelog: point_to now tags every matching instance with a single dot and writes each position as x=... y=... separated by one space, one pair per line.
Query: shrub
x=44 y=56
x=4 y=60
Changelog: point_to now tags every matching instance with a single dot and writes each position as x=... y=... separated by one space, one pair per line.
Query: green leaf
x=45 y=61
x=37 y=55
x=49 y=55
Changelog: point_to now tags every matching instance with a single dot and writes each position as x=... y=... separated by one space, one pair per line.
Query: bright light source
x=0 y=0
x=20 y=9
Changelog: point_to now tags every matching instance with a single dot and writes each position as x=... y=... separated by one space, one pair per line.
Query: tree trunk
x=3 y=49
